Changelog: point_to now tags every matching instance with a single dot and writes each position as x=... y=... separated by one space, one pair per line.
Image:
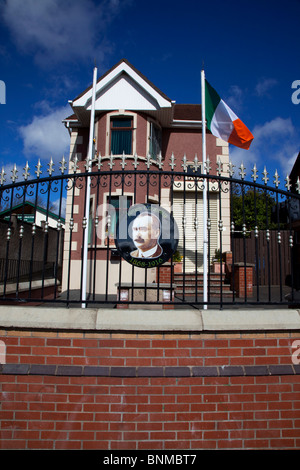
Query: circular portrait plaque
x=146 y=236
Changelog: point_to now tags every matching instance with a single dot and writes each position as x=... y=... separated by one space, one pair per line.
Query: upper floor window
x=121 y=135
x=154 y=140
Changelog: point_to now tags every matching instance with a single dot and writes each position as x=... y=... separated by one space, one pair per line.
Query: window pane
x=155 y=141
x=121 y=141
x=115 y=202
x=121 y=122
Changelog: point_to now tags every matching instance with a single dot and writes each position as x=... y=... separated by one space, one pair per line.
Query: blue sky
x=250 y=52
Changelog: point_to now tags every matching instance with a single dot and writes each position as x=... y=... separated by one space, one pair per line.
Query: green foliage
x=218 y=255
x=254 y=209
x=177 y=257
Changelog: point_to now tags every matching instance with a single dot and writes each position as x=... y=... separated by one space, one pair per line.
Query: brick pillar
x=165 y=273
x=242 y=285
x=228 y=262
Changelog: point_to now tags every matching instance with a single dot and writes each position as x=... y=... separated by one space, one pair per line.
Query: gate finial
x=230 y=169
x=288 y=183
x=184 y=163
x=2 y=177
x=26 y=171
x=298 y=185
x=148 y=160
x=98 y=159
x=196 y=163
x=159 y=160
x=75 y=164
x=14 y=171
x=276 y=180
x=254 y=173
x=123 y=161
x=135 y=161
x=172 y=164
x=219 y=166
x=265 y=178
x=63 y=165
x=111 y=161
x=242 y=172
x=50 y=169
x=38 y=168
x=208 y=165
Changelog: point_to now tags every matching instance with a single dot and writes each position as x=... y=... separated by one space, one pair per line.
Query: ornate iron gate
x=250 y=211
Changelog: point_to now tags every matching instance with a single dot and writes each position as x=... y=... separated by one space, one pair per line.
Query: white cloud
x=55 y=206
x=235 y=98
x=46 y=136
x=56 y=31
x=275 y=129
x=275 y=142
x=264 y=85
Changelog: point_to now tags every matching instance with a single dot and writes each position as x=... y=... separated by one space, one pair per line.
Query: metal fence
x=88 y=220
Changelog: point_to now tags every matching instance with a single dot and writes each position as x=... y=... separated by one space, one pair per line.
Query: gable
x=124 y=93
x=123 y=87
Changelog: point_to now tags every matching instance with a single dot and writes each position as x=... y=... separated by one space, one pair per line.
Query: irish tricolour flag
x=222 y=122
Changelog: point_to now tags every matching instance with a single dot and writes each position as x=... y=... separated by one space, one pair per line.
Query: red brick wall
x=66 y=390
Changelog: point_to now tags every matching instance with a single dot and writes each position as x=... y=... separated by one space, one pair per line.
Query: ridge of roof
x=38 y=208
x=135 y=70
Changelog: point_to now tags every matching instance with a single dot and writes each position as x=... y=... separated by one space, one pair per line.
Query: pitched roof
x=135 y=70
x=125 y=87
x=29 y=208
x=187 y=112
x=122 y=87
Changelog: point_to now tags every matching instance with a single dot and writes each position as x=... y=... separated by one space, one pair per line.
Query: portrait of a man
x=146 y=236
x=146 y=229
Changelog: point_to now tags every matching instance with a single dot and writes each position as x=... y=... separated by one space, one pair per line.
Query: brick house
x=141 y=128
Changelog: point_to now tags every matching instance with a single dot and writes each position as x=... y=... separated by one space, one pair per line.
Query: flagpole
x=205 y=238
x=88 y=191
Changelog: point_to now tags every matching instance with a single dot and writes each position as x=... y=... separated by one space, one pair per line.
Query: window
x=155 y=140
x=116 y=207
x=121 y=135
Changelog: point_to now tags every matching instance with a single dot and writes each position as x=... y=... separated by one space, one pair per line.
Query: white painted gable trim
x=128 y=88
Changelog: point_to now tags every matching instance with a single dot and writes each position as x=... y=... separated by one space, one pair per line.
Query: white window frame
x=120 y=113
x=150 y=123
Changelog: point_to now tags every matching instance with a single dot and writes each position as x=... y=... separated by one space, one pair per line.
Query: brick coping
x=139 y=372
x=103 y=319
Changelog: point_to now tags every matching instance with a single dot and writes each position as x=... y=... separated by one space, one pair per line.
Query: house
x=138 y=128
x=33 y=240
x=30 y=213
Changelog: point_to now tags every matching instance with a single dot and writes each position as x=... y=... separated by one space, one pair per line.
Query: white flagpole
x=88 y=191
x=205 y=238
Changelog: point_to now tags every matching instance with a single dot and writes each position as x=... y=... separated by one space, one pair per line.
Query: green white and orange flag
x=223 y=122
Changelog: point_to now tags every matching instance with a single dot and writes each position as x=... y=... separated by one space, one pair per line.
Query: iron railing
x=251 y=228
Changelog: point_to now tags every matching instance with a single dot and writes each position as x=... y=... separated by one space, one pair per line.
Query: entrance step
x=190 y=283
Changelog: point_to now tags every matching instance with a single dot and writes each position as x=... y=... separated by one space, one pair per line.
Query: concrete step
x=188 y=283
x=212 y=293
